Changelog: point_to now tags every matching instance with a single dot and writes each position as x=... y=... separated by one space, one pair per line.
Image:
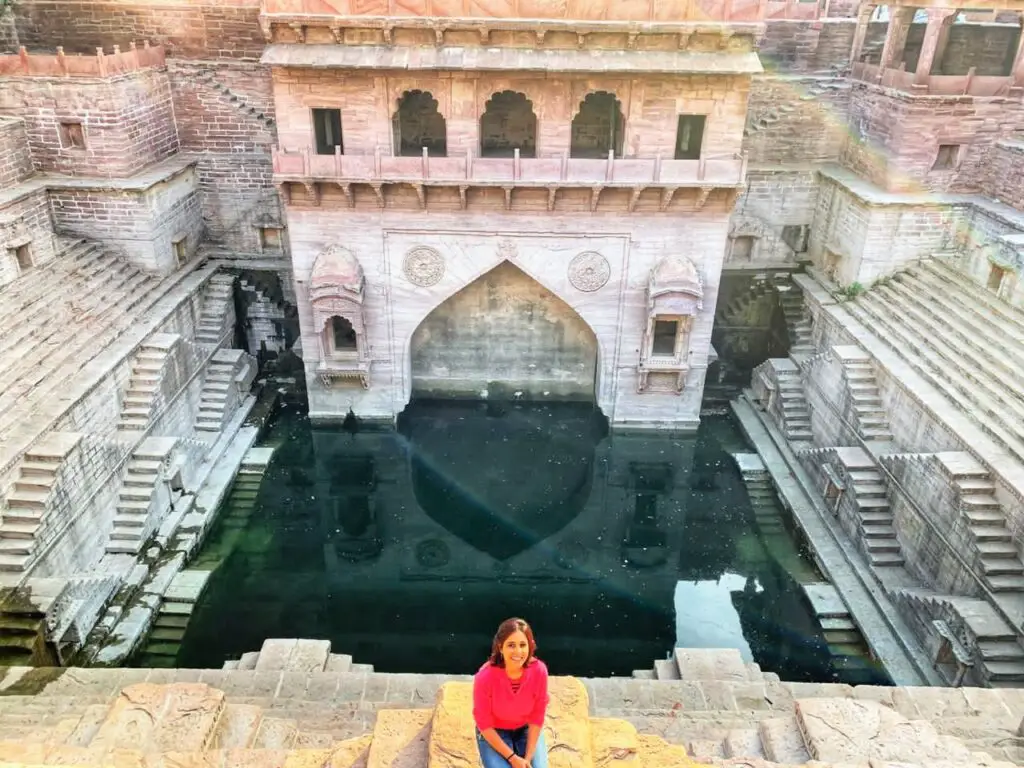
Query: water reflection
x=406 y=548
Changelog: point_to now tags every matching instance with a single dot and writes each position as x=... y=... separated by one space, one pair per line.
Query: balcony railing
x=604 y=10
x=727 y=170
x=934 y=85
x=100 y=65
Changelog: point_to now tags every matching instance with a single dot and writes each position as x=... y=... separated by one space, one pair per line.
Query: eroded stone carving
x=589 y=271
x=337 y=288
x=423 y=266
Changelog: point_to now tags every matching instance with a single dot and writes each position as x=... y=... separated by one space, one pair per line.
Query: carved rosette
x=423 y=266
x=589 y=271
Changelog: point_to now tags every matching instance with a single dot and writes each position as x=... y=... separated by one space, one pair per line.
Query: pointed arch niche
x=336 y=295
x=675 y=296
x=597 y=127
x=508 y=124
x=418 y=124
x=506 y=335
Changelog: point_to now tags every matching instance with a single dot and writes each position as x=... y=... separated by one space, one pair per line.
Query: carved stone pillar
x=936 y=35
x=1018 y=65
x=896 y=37
x=864 y=14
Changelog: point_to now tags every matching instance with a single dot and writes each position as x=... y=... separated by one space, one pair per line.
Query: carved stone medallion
x=423 y=266
x=589 y=271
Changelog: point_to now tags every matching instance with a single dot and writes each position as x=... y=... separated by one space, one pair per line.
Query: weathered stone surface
x=400 y=739
x=612 y=741
x=159 y=717
x=847 y=730
x=717 y=665
x=351 y=753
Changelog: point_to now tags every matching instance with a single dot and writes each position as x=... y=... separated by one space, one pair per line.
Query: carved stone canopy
x=675 y=287
x=747 y=226
x=336 y=287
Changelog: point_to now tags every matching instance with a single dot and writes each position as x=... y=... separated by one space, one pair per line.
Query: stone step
x=969 y=485
x=836 y=624
x=868 y=490
x=881 y=546
x=644 y=674
x=666 y=669
x=886 y=559
x=17 y=514
x=39 y=467
x=991 y=533
x=872 y=503
x=130 y=521
x=1005 y=671
x=992 y=566
x=248 y=660
x=28 y=498
x=878 y=531
x=14 y=563
x=1005 y=583
x=275 y=733
x=997 y=549
x=782 y=741
x=1000 y=651
x=844 y=637
x=10 y=529
x=20 y=547
x=985 y=517
x=144 y=467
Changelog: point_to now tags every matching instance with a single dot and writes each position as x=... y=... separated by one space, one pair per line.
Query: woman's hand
x=518 y=762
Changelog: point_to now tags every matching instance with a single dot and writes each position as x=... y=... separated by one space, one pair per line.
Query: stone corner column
x=936 y=36
x=864 y=14
x=1018 y=63
x=896 y=36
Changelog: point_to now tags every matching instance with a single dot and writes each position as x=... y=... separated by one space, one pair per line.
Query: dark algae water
x=406 y=548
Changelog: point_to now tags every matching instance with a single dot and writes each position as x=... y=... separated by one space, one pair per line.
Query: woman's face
x=515 y=650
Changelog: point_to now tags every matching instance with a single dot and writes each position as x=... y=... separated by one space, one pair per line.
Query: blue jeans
x=516 y=741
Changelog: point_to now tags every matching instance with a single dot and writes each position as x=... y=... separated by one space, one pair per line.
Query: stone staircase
x=869 y=412
x=168 y=631
x=273 y=322
x=54 y=321
x=851 y=657
x=719 y=709
x=995 y=646
x=233 y=517
x=23 y=634
x=137 y=514
x=798 y=322
x=144 y=384
x=218 y=314
x=943 y=326
x=796 y=415
x=997 y=556
x=229 y=373
x=24 y=512
x=209 y=78
x=878 y=533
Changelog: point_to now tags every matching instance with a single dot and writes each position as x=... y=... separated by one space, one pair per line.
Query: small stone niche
x=72 y=136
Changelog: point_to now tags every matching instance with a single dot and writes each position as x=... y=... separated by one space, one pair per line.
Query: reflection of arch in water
x=502 y=485
x=504 y=336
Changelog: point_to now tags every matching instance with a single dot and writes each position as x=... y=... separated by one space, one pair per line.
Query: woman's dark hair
x=505 y=630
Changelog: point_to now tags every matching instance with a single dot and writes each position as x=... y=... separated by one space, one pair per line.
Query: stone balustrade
x=713 y=171
x=101 y=65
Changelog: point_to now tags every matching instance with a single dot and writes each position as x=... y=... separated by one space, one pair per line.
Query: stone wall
x=218 y=29
x=142 y=224
x=541 y=244
x=821 y=46
x=218 y=108
x=895 y=138
x=796 y=119
x=15 y=155
x=989 y=48
x=651 y=107
x=26 y=220
x=1002 y=176
x=776 y=211
x=504 y=330
x=857 y=241
x=126 y=122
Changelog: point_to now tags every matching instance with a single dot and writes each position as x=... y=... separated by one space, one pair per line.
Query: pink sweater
x=496 y=706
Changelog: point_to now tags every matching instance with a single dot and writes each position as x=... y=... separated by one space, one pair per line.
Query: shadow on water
x=406 y=548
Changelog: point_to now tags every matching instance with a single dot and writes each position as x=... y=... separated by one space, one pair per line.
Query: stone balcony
x=508 y=173
x=938 y=85
x=24 y=64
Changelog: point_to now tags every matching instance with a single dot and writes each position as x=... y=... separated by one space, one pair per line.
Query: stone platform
x=300 y=706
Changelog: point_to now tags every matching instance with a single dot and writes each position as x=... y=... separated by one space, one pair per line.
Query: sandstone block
x=159 y=717
x=400 y=739
x=698 y=664
x=351 y=753
x=847 y=730
x=613 y=742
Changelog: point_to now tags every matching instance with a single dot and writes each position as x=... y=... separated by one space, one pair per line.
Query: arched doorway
x=597 y=127
x=418 y=124
x=504 y=337
x=508 y=124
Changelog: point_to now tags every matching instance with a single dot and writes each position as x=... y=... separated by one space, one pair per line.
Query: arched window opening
x=344 y=334
x=508 y=123
x=597 y=127
x=418 y=124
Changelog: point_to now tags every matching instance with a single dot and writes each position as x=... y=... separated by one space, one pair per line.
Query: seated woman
x=510 y=698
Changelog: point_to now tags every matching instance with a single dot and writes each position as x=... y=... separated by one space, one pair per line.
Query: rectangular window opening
x=795 y=236
x=665 y=333
x=995 y=278
x=270 y=238
x=72 y=136
x=742 y=248
x=327 y=130
x=180 y=251
x=947 y=158
x=689 y=136
x=23 y=257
